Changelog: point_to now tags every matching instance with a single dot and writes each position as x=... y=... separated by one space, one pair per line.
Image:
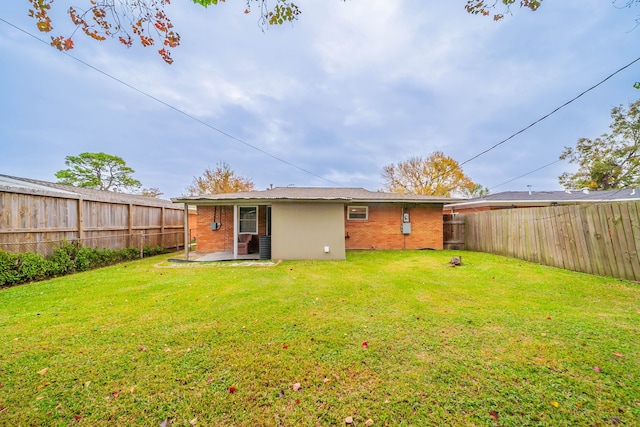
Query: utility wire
x=122 y=82
x=552 y=112
x=528 y=173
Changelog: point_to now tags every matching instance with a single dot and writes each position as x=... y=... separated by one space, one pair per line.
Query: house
x=529 y=199
x=315 y=223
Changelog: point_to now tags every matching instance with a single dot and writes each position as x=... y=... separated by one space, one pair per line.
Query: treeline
x=68 y=258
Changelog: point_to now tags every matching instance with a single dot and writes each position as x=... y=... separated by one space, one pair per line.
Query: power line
x=528 y=173
x=166 y=104
x=552 y=112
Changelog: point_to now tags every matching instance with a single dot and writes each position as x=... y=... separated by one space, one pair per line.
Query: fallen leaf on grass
x=143 y=348
x=43 y=371
x=555 y=404
x=193 y=421
x=285 y=347
x=369 y=422
x=336 y=376
x=348 y=420
x=494 y=415
x=3 y=409
x=232 y=390
x=617 y=354
x=365 y=345
x=326 y=380
x=165 y=423
x=77 y=418
x=597 y=369
x=297 y=387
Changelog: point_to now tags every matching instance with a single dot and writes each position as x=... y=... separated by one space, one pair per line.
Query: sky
x=329 y=100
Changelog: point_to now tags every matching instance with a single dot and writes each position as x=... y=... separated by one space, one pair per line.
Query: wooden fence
x=453 y=231
x=39 y=222
x=602 y=238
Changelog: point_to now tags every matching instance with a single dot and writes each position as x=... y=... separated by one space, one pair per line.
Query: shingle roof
x=314 y=194
x=526 y=197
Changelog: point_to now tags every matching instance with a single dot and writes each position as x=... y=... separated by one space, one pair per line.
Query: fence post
x=141 y=244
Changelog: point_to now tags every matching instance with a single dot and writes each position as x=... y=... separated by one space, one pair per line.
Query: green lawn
x=386 y=338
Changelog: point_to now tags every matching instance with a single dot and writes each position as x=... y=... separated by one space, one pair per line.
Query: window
x=248 y=219
x=358 y=212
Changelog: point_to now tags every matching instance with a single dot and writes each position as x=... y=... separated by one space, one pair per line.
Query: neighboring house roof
x=542 y=198
x=354 y=195
x=14 y=184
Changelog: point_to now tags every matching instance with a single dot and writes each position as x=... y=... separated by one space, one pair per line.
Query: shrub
x=9 y=273
x=67 y=258
x=32 y=266
x=63 y=259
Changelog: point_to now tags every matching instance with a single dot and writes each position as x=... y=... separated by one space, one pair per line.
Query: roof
x=538 y=198
x=312 y=194
x=12 y=184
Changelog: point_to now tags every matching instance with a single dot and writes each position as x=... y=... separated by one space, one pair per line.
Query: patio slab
x=220 y=256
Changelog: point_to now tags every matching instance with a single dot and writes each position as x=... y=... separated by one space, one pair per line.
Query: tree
x=611 y=161
x=99 y=171
x=478 y=190
x=436 y=175
x=151 y=192
x=219 y=180
x=142 y=21
x=485 y=7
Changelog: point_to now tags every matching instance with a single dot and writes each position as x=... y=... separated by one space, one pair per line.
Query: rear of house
x=316 y=223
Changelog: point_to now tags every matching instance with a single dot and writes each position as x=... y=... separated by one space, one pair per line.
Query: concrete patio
x=220 y=256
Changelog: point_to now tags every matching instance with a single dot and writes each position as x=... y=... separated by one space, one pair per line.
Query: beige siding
x=303 y=230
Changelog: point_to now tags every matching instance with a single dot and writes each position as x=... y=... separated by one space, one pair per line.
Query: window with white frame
x=357 y=213
x=248 y=219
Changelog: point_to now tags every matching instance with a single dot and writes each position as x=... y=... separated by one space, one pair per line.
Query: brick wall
x=222 y=239
x=218 y=240
x=383 y=228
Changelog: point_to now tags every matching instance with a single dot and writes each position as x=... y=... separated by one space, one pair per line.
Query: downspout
x=186 y=232
x=235 y=231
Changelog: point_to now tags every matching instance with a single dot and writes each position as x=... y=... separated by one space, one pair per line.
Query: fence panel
x=40 y=222
x=601 y=238
x=453 y=231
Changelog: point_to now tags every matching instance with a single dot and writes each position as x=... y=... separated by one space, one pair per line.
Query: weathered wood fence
x=453 y=231
x=602 y=238
x=38 y=222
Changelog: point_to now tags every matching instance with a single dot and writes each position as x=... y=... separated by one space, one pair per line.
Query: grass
x=496 y=341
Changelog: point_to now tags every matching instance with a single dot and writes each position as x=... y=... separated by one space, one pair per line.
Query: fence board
x=634 y=233
x=621 y=237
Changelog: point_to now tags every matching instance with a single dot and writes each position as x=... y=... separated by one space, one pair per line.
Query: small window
x=358 y=212
x=248 y=220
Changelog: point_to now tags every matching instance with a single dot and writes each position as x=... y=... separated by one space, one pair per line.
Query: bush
x=63 y=259
x=68 y=258
x=9 y=273
x=32 y=266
